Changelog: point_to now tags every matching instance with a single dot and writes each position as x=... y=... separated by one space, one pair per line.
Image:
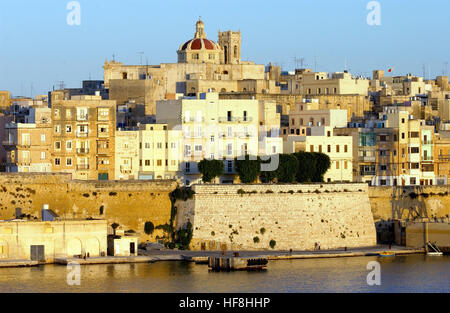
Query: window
x=230 y=131
x=337 y=148
x=158 y=162
x=329 y=148
x=188 y=167
x=274 y=149
x=337 y=165
x=311 y=148
x=173 y=145
x=68 y=145
x=57 y=145
x=57 y=161
x=69 y=162
x=328 y=134
x=43 y=138
x=147 y=162
x=68 y=129
x=187 y=150
x=383 y=167
x=159 y=145
x=414 y=149
x=403 y=135
x=229 y=116
x=147 y=145
x=229 y=166
x=345 y=164
x=230 y=149
x=57 y=129
x=212 y=138
x=42 y=155
x=345 y=148
x=412 y=181
x=198 y=148
x=68 y=113
x=245 y=116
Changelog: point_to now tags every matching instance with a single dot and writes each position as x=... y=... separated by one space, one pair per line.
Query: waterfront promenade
x=202 y=256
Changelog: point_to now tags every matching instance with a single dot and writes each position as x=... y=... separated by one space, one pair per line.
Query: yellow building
x=321 y=139
x=28 y=145
x=83 y=137
x=220 y=129
x=307 y=82
x=46 y=240
x=151 y=152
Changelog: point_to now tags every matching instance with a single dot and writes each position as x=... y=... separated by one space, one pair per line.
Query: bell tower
x=230 y=42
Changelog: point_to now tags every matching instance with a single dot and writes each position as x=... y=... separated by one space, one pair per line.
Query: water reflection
x=415 y=273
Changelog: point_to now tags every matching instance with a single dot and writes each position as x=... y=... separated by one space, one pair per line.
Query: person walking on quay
x=318 y=245
x=315 y=246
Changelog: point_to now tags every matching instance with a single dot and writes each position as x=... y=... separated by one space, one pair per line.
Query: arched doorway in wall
x=73 y=247
x=92 y=247
x=223 y=90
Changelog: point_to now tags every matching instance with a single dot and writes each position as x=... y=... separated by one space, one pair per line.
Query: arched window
x=225 y=50
x=235 y=52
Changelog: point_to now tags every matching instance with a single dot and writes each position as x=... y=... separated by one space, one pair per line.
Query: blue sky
x=39 y=49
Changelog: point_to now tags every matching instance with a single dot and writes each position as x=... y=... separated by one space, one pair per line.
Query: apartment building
x=150 y=152
x=28 y=145
x=213 y=128
x=394 y=149
x=442 y=157
x=322 y=139
x=83 y=137
x=307 y=82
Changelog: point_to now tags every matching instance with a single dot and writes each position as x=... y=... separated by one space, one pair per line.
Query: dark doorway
x=37 y=253
x=132 y=248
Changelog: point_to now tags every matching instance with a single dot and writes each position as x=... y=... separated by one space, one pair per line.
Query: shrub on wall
x=210 y=169
x=248 y=169
x=287 y=168
x=323 y=163
x=256 y=239
x=272 y=243
x=306 y=166
x=149 y=228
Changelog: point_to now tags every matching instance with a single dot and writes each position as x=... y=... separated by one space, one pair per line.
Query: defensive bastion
x=127 y=203
x=294 y=216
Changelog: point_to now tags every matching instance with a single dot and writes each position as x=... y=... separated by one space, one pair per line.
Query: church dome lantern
x=199 y=49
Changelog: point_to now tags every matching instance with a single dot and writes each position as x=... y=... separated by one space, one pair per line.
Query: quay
x=18 y=263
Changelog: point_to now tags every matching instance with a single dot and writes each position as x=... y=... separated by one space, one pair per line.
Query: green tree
x=306 y=167
x=323 y=163
x=210 y=169
x=287 y=168
x=248 y=169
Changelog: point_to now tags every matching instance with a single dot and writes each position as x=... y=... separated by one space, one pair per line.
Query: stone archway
x=74 y=247
x=92 y=247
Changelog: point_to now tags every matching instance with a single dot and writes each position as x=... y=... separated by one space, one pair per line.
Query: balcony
x=81 y=167
x=8 y=143
x=82 y=134
x=126 y=169
x=82 y=117
x=235 y=119
x=427 y=158
x=82 y=150
x=193 y=120
x=103 y=151
x=367 y=159
x=427 y=142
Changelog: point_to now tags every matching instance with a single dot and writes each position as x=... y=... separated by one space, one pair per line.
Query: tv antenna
x=298 y=61
x=141 y=54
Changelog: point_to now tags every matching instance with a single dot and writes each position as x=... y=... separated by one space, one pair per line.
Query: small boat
x=435 y=253
x=386 y=254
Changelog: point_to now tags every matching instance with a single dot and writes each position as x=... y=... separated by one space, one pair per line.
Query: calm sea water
x=415 y=273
